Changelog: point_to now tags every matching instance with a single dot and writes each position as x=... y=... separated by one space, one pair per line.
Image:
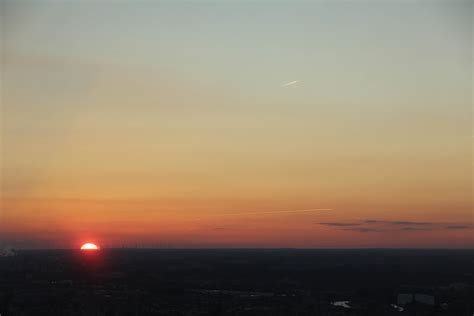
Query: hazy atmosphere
x=236 y=124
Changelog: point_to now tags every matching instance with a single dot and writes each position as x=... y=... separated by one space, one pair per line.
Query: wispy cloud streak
x=365 y=230
x=339 y=224
x=372 y=221
x=276 y=212
x=373 y=225
x=290 y=83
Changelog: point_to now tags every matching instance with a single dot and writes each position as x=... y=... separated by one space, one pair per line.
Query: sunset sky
x=236 y=123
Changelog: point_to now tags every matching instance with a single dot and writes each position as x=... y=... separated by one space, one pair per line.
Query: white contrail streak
x=276 y=212
x=290 y=83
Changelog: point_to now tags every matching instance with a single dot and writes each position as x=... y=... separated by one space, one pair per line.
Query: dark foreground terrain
x=238 y=282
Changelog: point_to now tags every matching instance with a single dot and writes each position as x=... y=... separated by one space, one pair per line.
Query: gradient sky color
x=213 y=124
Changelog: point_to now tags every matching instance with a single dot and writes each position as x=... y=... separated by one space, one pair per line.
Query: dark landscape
x=238 y=282
x=236 y=158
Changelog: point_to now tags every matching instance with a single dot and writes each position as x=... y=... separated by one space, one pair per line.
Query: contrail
x=290 y=83
x=276 y=212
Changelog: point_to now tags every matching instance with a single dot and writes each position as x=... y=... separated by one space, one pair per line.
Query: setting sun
x=89 y=246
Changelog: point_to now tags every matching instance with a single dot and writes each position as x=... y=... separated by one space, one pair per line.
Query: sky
x=236 y=123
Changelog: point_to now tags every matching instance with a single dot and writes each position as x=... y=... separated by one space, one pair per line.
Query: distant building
x=425 y=299
x=404 y=298
x=416 y=295
x=7 y=252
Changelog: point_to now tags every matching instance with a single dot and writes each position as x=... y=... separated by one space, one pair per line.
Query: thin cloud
x=374 y=221
x=409 y=223
x=458 y=227
x=290 y=83
x=416 y=229
x=277 y=212
x=374 y=225
x=339 y=224
x=365 y=230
